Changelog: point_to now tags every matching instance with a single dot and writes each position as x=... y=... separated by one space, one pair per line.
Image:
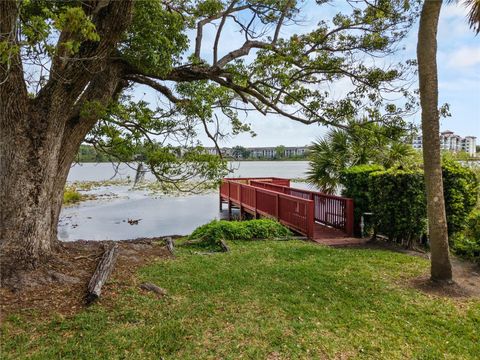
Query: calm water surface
x=107 y=219
x=106 y=171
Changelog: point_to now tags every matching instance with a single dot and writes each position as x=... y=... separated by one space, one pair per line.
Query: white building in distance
x=451 y=142
x=266 y=152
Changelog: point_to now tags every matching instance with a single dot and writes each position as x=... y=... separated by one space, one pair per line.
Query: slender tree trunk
x=441 y=268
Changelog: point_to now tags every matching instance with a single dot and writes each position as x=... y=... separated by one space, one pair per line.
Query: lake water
x=105 y=171
x=107 y=219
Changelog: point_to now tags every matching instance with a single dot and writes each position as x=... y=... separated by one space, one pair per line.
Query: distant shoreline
x=230 y=160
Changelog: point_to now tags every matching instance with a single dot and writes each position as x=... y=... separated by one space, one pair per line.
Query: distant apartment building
x=271 y=152
x=264 y=152
x=296 y=151
x=469 y=145
x=225 y=151
x=451 y=142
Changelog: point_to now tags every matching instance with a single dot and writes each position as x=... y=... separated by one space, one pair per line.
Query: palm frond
x=474 y=14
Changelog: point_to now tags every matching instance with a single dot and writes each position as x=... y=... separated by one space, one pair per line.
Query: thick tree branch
x=11 y=72
x=203 y=22
x=244 y=50
x=154 y=85
x=71 y=73
x=280 y=22
x=219 y=31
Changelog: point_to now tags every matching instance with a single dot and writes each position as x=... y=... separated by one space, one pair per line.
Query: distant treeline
x=87 y=153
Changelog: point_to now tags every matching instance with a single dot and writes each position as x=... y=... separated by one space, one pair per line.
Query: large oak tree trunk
x=30 y=147
x=441 y=269
x=38 y=148
x=40 y=136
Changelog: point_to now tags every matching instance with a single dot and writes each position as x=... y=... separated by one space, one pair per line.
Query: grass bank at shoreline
x=266 y=300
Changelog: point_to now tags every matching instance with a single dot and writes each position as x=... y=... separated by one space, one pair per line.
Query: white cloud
x=466 y=56
x=454 y=10
x=460 y=85
x=453 y=23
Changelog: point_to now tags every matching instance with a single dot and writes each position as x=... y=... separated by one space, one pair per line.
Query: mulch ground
x=466 y=285
x=60 y=285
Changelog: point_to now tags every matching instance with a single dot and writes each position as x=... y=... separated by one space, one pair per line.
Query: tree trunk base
x=17 y=264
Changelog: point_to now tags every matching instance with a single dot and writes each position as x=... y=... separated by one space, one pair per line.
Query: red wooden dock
x=321 y=217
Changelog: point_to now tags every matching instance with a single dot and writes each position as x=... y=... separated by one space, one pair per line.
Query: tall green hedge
x=461 y=193
x=355 y=185
x=467 y=243
x=397 y=199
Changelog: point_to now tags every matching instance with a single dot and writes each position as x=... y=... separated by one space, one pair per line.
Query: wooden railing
x=331 y=210
x=270 y=180
x=294 y=212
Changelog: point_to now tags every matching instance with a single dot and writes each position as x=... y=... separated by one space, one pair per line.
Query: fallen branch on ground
x=154 y=288
x=169 y=243
x=101 y=274
x=224 y=246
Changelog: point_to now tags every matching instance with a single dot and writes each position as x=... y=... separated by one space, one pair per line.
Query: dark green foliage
x=155 y=39
x=215 y=230
x=280 y=152
x=397 y=199
x=87 y=153
x=467 y=243
x=356 y=181
x=461 y=193
x=240 y=152
x=392 y=197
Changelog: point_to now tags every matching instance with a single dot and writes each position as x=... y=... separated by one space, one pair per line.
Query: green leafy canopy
x=182 y=51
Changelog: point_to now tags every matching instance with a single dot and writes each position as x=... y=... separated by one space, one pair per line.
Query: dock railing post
x=242 y=214
x=312 y=197
x=277 y=207
x=255 y=202
x=220 y=196
x=310 y=219
x=349 y=219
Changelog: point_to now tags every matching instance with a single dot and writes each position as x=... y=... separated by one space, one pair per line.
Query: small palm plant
x=362 y=142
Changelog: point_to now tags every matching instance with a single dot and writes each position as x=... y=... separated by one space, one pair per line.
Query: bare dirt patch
x=59 y=286
x=466 y=283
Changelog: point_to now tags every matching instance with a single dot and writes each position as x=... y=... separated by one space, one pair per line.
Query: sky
x=458 y=69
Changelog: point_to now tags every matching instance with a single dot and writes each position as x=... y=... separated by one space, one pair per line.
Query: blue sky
x=459 y=71
x=459 y=79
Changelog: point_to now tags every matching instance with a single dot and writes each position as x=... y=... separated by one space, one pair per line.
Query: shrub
x=355 y=181
x=216 y=230
x=71 y=196
x=397 y=199
x=461 y=193
x=467 y=243
x=461 y=187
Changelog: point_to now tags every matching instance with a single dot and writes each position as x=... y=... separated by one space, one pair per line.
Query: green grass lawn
x=264 y=300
